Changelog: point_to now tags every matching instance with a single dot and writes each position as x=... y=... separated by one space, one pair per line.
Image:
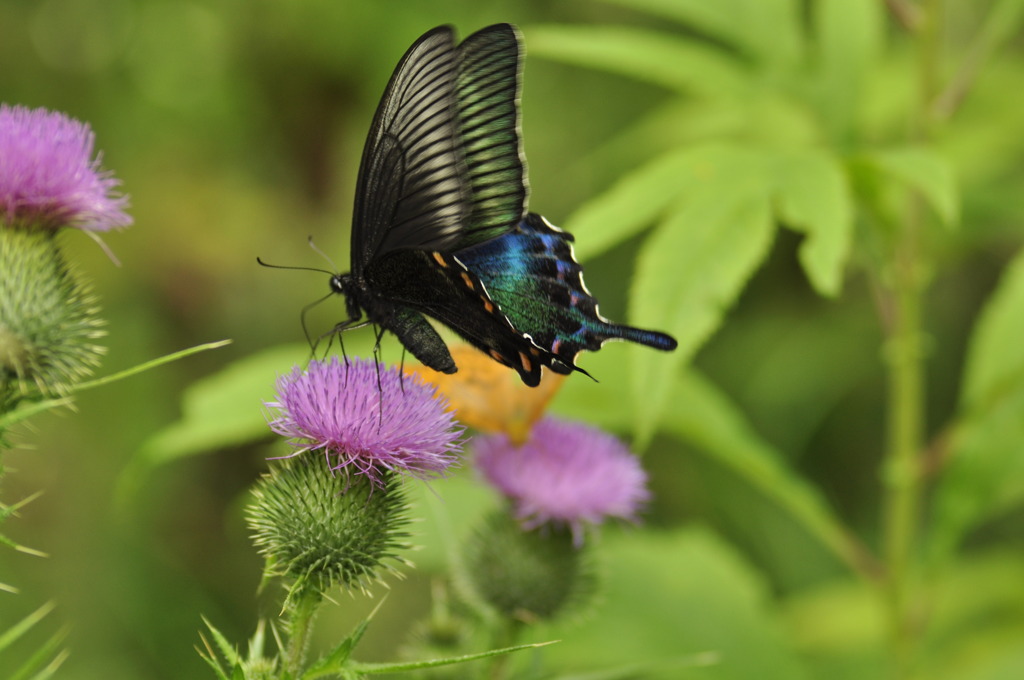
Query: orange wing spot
x=535 y=352
x=489 y=397
x=468 y=281
x=487 y=305
x=496 y=355
x=526 y=363
x=439 y=259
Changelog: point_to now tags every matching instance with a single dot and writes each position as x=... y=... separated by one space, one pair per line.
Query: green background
x=768 y=143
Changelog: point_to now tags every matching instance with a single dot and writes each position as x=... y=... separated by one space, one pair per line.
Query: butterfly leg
x=376 y=363
x=401 y=371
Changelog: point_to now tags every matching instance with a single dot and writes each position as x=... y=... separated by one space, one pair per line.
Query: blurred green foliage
x=735 y=172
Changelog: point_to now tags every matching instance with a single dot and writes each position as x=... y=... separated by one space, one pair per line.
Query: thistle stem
x=506 y=635
x=302 y=611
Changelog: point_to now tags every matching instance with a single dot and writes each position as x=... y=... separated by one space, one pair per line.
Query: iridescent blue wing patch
x=532 y=276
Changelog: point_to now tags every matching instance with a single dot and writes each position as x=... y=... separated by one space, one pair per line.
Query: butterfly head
x=346 y=286
x=341 y=284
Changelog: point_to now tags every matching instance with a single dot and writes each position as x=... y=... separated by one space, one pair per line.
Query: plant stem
x=302 y=611
x=906 y=418
x=906 y=403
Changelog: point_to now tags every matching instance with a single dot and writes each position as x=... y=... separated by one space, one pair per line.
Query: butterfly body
x=440 y=227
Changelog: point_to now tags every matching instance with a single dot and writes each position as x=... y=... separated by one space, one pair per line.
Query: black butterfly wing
x=411 y=191
x=532 y=276
x=442 y=167
x=488 y=89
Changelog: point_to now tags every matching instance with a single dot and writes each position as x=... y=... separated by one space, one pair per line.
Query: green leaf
x=225 y=647
x=976 y=622
x=995 y=355
x=633 y=671
x=224 y=409
x=702 y=415
x=692 y=268
x=660 y=59
x=335 y=660
x=814 y=197
x=641 y=197
x=682 y=592
x=925 y=170
x=769 y=29
x=985 y=475
x=848 y=43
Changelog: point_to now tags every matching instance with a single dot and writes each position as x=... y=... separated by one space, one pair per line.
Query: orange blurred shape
x=490 y=397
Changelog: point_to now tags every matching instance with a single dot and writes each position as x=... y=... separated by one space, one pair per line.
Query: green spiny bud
x=47 y=319
x=321 y=528
x=528 y=575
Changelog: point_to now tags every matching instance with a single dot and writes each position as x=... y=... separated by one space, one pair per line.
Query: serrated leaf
x=690 y=270
x=227 y=650
x=813 y=196
x=925 y=170
x=661 y=59
x=770 y=29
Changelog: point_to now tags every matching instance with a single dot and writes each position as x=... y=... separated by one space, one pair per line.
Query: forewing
x=411 y=191
x=488 y=95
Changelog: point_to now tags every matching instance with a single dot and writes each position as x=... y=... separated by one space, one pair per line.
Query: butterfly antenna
x=322 y=254
x=260 y=261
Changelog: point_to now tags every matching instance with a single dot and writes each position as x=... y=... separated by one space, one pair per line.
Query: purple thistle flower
x=565 y=473
x=398 y=424
x=49 y=177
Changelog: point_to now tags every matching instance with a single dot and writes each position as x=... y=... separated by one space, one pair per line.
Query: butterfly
x=440 y=227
